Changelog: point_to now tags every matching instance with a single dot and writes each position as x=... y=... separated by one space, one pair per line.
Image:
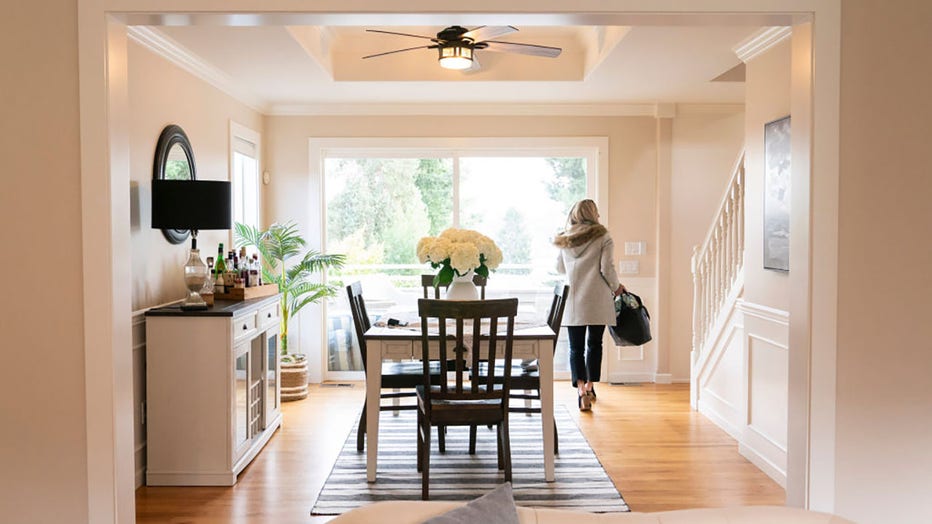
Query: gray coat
x=590 y=273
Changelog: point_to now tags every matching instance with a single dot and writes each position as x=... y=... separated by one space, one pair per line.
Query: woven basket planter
x=294 y=378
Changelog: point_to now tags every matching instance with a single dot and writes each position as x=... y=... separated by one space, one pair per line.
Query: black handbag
x=632 y=321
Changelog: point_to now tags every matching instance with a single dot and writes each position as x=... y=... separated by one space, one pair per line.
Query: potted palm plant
x=297 y=284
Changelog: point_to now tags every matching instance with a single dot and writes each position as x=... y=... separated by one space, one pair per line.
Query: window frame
x=594 y=149
x=243 y=133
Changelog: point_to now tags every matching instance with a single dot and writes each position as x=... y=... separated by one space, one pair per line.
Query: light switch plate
x=629 y=267
x=635 y=248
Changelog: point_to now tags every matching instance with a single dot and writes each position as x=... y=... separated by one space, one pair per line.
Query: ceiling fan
x=457 y=45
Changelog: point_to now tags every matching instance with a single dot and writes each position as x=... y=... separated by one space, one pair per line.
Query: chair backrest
x=360 y=316
x=471 y=320
x=427 y=284
x=555 y=316
x=480 y=282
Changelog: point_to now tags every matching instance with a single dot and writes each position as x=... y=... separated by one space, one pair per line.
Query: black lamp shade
x=191 y=204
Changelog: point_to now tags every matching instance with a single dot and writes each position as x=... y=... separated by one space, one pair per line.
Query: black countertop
x=221 y=308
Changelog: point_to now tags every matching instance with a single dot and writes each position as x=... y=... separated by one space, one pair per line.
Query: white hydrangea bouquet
x=456 y=252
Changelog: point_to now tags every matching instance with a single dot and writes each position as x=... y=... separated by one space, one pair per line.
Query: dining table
x=397 y=336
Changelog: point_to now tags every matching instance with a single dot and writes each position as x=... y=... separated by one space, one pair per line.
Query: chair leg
x=500 y=446
x=506 y=444
x=472 y=439
x=425 y=464
x=420 y=441
x=441 y=438
x=556 y=439
x=361 y=432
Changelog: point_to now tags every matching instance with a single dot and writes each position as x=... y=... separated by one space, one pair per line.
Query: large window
x=380 y=201
x=244 y=174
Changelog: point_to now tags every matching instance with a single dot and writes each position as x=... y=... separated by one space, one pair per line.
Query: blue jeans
x=585 y=364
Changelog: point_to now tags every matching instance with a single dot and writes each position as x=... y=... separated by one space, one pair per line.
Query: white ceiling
x=277 y=67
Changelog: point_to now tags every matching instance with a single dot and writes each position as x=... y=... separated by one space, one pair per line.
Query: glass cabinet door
x=272 y=374
x=240 y=399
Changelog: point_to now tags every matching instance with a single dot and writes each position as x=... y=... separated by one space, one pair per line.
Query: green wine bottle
x=220 y=271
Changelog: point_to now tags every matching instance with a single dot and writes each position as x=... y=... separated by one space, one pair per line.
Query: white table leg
x=373 y=391
x=545 y=361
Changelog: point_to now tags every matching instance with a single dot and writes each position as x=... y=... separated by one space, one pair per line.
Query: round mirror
x=174 y=160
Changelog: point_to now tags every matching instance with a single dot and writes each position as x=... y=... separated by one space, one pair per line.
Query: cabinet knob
x=269 y=315
x=244 y=327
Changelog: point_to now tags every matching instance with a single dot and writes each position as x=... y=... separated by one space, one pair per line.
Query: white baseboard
x=627 y=378
x=707 y=409
x=663 y=378
x=768 y=467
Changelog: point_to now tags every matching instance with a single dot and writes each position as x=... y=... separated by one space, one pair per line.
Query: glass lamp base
x=193 y=302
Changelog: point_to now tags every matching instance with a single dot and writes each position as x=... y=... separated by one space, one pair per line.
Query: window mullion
x=456 y=189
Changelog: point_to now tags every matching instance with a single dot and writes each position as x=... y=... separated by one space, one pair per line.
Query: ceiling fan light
x=456 y=57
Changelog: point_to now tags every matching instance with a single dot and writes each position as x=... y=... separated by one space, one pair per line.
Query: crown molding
x=708 y=109
x=463 y=110
x=761 y=41
x=160 y=44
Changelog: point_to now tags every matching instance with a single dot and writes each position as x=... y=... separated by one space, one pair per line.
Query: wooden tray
x=246 y=293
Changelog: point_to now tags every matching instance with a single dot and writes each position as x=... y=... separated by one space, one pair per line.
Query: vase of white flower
x=462 y=288
x=458 y=253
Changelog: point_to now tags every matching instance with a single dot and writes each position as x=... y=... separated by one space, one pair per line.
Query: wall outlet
x=629 y=267
x=635 y=248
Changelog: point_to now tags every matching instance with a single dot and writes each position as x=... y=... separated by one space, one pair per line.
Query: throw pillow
x=495 y=507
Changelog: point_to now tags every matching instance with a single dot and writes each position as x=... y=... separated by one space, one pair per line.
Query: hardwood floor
x=660 y=454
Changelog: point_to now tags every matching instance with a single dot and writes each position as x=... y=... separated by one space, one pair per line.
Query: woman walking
x=586 y=259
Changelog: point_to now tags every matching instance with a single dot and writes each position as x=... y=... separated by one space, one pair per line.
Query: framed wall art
x=777 y=194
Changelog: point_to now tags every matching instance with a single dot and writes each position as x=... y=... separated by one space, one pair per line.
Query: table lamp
x=194 y=205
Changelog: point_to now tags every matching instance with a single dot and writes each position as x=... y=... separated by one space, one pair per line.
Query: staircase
x=718 y=277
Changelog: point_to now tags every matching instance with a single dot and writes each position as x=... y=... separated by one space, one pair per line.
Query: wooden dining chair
x=427 y=284
x=395 y=375
x=525 y=376
x=463 y=402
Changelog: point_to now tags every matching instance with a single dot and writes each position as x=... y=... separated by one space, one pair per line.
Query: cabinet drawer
x=244 y=326
x=396 y=349
x=269 y=315
x=526 y=349
x=520 y=349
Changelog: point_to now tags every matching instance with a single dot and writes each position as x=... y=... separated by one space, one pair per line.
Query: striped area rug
x=581 y=482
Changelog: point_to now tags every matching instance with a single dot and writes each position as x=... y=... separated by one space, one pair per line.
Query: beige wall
x=43 y=444
x=161 y=94
x=704 y=151
x=884 y=357
x=767 y=98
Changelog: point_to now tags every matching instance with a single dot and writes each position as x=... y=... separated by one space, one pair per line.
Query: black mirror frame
x=170 y=136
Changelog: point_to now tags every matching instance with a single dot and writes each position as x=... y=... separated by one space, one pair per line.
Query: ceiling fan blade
x=399 y=51
x=399 y=34
x=475 y=67
x=485 y=32
x=523 y=49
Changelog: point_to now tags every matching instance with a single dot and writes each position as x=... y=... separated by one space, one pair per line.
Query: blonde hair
x=583 y=212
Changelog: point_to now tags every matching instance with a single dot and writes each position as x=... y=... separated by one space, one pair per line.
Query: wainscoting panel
x=742 y=383
x=764 y=438
x=721 y=388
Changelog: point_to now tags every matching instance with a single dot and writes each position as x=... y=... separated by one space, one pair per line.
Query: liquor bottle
x=258 y=267
x=229 y=277
x=220 y=272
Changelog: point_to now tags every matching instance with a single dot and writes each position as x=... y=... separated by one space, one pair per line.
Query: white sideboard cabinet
x=213 y=391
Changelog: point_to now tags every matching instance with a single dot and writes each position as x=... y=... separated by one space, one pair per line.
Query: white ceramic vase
x=462 y=288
